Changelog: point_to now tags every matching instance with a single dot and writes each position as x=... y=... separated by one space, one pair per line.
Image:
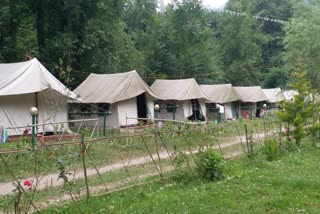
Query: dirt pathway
x=112 y=186
x=51 y=180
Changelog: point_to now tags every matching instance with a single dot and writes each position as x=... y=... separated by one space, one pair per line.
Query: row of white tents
x=119 y=99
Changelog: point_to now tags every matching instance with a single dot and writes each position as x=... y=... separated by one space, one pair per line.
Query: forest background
x=74 y=38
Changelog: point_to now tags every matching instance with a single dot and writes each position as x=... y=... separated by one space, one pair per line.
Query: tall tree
x=17 y=34
x=142 y=20
x=108 y=48
x=265 y=36
x=302 y=43
x=192 y=48
x=240 y=42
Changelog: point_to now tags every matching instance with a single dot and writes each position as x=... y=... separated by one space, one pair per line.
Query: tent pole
x=33 y=130
x=36 y=118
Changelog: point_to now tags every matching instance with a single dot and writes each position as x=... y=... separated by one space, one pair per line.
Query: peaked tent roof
x=223 y=93
x=251 y=94
x=111 y=88
x=29 y=77
x=274 y=95
x=182 y=89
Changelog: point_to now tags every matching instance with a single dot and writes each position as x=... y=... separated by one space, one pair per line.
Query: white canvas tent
x=274 y=95
x=289 y=94
x=185 y=94
x=27 y=84
x=223 y=94
x=250 y=97
x=126 y=94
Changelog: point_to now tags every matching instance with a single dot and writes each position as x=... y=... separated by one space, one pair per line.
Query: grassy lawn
x=290 y=184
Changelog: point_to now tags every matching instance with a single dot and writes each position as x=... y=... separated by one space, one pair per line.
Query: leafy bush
x=210 y=165
x=271 y=149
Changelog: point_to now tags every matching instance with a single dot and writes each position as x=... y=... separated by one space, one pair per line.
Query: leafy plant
x=69 y=184
x=297 y=111
x=271 y=149
x=210 y=165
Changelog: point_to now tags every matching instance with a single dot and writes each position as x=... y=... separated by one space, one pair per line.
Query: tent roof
x=274 y=95
x=182 y=89
x=223 y=93
x=29 y=77
x=288 y=94
x=251 y=94
x=111 y=88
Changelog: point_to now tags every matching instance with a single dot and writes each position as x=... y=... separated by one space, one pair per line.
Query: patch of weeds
x=290 y=146
x=210 y=165
x=184 y=171
x=6 y=203
x=271 y=149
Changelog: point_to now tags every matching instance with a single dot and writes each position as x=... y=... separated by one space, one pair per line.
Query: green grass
x=107 y=152
x=288 y=185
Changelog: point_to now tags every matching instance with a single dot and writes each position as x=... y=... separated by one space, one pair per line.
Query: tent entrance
x=196 y=111
x=142 y=107
x=235 y=109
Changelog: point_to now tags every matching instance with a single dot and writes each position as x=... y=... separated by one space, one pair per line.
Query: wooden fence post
x=83 y=152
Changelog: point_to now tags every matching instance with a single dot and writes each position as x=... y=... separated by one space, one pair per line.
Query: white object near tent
x=289 y=94
x=225 y=95
x=274 y=95
x=27 y=84
x=180 y=99
x=124 y=95
x=252 y=98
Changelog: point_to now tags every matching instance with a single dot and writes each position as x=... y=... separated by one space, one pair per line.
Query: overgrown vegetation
x=210 y=165
x=251 y=186
x=178 y=146
x=271 y=149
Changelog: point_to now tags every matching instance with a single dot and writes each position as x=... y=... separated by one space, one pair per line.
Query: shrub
x=210 y=165
x=271 y=149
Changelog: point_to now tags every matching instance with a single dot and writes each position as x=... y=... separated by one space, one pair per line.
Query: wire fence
x=47 y=134
x=91 y=164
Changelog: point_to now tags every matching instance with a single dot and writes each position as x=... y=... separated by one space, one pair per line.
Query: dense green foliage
x=301 y=108
x=288 y=185
x=210 y=165
x=78 y=37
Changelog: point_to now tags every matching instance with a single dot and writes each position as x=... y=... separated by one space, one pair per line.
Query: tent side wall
x=228 y=111
x=52 y=107
x=120 y=112
x=203 y=107
x=15 y=111
x=127 y=109
x=150 y=106
x=183 y=111
x=247 y=110
x=167 y=114
x=111 y=120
